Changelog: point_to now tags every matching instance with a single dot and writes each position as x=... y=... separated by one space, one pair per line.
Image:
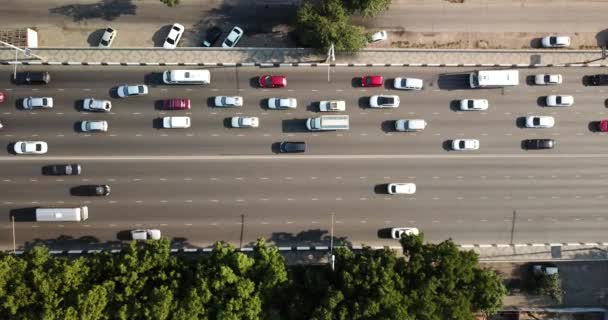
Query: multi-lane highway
x=211 y=182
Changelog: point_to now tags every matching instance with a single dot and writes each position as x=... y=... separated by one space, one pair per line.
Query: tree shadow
x=602 y=38
x=314 y=237
x=104 y=9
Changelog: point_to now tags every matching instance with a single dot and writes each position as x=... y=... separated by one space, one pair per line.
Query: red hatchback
x=176 y=104
x=371 y=81
x=1 y=97
x=268 y=81
x=603 y=126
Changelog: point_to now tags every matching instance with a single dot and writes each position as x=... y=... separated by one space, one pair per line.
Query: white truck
x=76 y=214
x=494 y=78
x=328 y=123
x=176 y=122
x=332 y=106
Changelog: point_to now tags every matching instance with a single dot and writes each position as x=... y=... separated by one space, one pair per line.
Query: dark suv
x=62 y=170
x=36 y=77
x=599 y=80
x=535 y=144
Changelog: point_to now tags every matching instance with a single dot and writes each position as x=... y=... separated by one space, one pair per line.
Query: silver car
x=282 y=103
x=228 y=101
x=94 y=126
x=95 y=105
x=145 y=234
x=37 y=103
x=131 y=91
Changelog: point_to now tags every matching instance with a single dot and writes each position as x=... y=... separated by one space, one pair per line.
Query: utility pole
x=331 y=244
x=14 y=245
x=331 y=55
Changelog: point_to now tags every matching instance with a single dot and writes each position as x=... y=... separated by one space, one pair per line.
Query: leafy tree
x=170 y=3
x=367 y=8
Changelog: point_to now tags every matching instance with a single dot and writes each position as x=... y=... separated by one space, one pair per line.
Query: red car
x=176 y=104
x=603 y=126
x=268 y=81
x=1 y=97
x=371 y=81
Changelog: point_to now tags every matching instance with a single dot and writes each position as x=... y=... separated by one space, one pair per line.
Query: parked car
x=132 y=90
x=292 y=147
x=30 y=147
x=272 y=81
x=37 y=103
x=540 y=122
x=465 y=144
x=556 y=41
x=397 y=233
x=401 y=188
x=473 y=104
x=233 y=37
x=378 y=36
x=384 y=101
x=176 y=104
x=534 y=144
x=212 y=35
x=145 y=234
x=405 y=125
x=560 y=101
x=372 y=81
x=282 y=103
x=94 y=126
x=102 y=190
x=547 y=79
x=228 y=101
x=62 y=170
x=332 y=106
x=603 y=126
x=245 y=122
x=175 y=34
x=107 y=38
x=408 y=83
x=95 y=105
x=36 y=77
x=598 y=80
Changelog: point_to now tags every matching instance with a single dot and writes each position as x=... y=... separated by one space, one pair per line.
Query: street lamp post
x=331 y=55
x=26 y=51
x=331 y=244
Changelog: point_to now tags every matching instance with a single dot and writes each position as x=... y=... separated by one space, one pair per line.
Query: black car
x=599 y=80
x=539 y=143
x=63 y=170
x=292 y=147
x=212 y=35
x=37 y=77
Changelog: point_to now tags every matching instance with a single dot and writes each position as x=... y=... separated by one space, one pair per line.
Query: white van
x=176 y=122
x=187 y=77
x=328 y=123
x=62 y=214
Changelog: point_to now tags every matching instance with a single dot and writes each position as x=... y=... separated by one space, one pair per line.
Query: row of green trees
x=146 y=281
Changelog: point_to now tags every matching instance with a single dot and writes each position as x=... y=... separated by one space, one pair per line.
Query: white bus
x=75 y=214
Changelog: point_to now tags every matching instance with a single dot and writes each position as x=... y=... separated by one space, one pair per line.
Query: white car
x=547 y=79
x=378 y=36
x=31 y=147
x=37 y=103
x=107 y=38
x=396 y=233
x=245 y=122
x=174 y=36
x=556 y=41
x=540 y=122
x=332 y=106
x=406 y=125
x=228 y=101
x=145 y=234
x=95 y=105
x=94 y=126
x=559 y=101
x=473 y=104
x=408 y=83
x=131 y=91
x=282 y=103
x=233 y=37
x=384 y=101
x=176 y=122
x=401 y=188
x=465 y=144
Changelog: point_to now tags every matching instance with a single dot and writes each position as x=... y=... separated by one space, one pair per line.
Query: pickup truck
x=332 y=106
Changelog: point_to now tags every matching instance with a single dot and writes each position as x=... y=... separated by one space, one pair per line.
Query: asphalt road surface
x=211 y=182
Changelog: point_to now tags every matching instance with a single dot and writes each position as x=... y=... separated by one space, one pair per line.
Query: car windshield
x=553 y=40
x=44 y=101
x=38 y=147
x=169 y=40
x=385 y=100
x=461 y=144
x=140 y=89
x=224 y=100
x=536 y=121
x=393 y=189
x=558 y=99
x=547 y=78
x=104 y=42
x=471 y=104
x=228 y=42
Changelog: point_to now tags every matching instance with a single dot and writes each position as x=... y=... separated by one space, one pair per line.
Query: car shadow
x=381 y=188
x=10 y=148
x=530 y=80
x=594 y=126
x=158 y=105
x=113 y=92
x=606 y=103
x=80 y=191
x=453 y=81
x=384 y=233
x=541 y=101
x=520 y=122
x=23 y=214
x=211 y=102
x=294 y=125
x=455 y=105
x=78 y=105
x=586 y=81
x=19 y=104
x=447 y=145
x=313 y=107
x=389 y=84
x=228 y=123
x=77 y=127
x=158 y=38
x=523 y=144
x=95 y=37
x=124 y=235
x=356 y=82
x=388 y=126
x=157 y=123
x=263 y=104
x=275 y=148
x=254 y=82
x=363 y=103
x=153 y=78
x=536 y=43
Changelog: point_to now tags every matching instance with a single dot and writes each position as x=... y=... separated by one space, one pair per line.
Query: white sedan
x=233 y=37
x=145 y=234
x=547 y=79
x=465 y=144
x=282 y=103
x=473 y=104
x=540 y=122
x=95 y=105
x=245 y=122
x=228 y=101
x=556 y=41
x=31 y=147
x=384 y=101
x=107 y=38
x=175 y=34
x=37 y=103
x=378 y=36
x=408 y=83
x=559 y=101
x=401 y=188
x=396 y=233
x=94 y=126
x=131 y=91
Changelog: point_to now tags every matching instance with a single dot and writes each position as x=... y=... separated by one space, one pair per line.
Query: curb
x=297 y=64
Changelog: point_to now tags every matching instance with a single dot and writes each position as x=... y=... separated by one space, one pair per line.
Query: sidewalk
x=408 y=57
